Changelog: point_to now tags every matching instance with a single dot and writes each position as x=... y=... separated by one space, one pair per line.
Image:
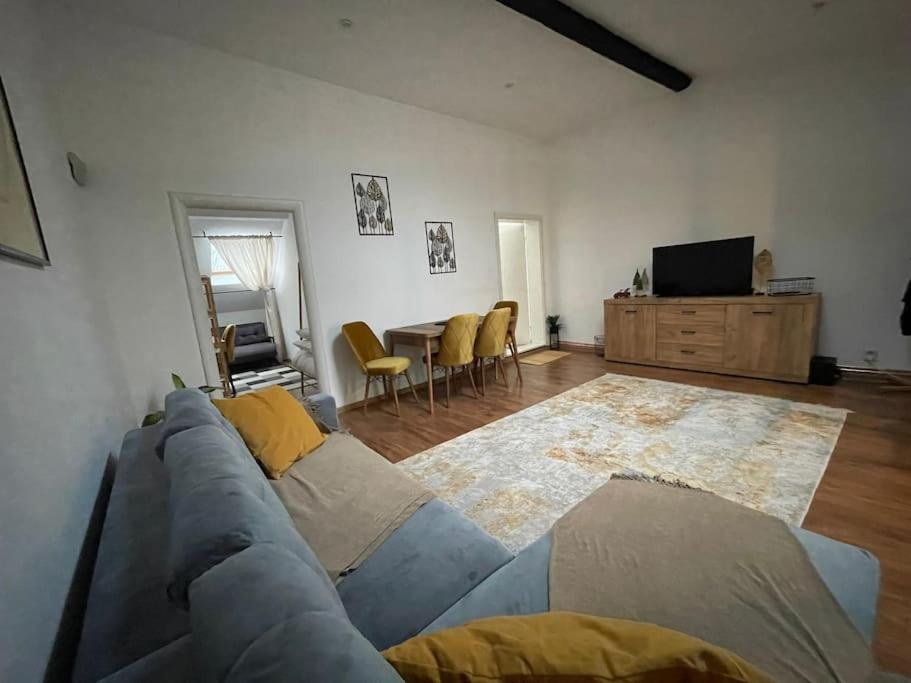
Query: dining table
x=426 y=335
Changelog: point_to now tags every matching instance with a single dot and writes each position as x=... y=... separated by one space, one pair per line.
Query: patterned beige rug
x=517 y=476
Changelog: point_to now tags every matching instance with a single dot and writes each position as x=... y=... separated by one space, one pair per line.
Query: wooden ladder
x=221 y=353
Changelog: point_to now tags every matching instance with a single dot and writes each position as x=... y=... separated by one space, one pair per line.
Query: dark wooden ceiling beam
x=569 y=23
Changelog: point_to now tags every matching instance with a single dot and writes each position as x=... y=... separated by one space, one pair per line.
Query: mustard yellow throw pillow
x=276 y=428
x=564 y=646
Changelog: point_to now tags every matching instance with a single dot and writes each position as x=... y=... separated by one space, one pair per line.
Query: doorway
x=247 y=267
x=520 y=244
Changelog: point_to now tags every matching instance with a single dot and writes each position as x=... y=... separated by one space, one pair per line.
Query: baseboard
x=577 y=347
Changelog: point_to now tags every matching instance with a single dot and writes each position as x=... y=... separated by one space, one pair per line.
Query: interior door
x=764 y=338
x=629 y=332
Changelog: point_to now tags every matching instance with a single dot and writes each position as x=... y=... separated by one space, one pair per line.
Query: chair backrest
x=457 y=342
x=364 y=344
x=228 y=337
x=492 y=335
x=513 y=307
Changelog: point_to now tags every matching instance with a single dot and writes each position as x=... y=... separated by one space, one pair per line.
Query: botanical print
x=440 y=247
x=515 y=477
x=371 y=204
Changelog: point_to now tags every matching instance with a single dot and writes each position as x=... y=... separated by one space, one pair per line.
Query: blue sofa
x=202 y=575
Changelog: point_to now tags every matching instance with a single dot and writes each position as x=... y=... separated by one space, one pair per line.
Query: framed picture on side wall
x=20 y=232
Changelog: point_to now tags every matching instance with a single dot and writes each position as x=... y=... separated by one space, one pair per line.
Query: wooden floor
x=863 y=499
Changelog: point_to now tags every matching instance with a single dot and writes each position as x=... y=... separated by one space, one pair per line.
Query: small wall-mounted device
x=78 y=171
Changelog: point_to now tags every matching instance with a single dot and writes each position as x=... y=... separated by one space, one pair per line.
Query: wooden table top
x=431 y=330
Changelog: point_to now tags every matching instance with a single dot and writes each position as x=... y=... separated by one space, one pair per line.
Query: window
x=221 y=271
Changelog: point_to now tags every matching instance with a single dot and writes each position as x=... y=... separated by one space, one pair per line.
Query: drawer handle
x=763 y=312
x=687 y=352
x=630 y=310
x=687 y=312
x=687 y=331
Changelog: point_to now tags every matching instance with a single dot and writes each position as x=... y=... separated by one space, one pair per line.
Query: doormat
x=543 y=357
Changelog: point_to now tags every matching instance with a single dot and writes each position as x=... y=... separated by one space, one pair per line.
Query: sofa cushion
x=188 y=408
x=518 y=587
x=173 y=662
x=264 y=615
x=254 y=351
x=220 y=504
x=250 y=333
x=431 y=561
x=128 y=615
x=850 y=573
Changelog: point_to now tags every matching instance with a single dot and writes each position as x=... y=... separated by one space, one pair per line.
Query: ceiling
x=457 y=56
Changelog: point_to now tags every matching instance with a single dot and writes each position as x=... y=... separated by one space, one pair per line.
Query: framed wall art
x=372 y=205
x=20 y=232
x=440 y=247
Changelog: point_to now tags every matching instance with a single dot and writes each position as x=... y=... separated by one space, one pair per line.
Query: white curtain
x=253 y=261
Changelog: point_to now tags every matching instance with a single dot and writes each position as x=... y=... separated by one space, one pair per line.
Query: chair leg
x=474 y=388
x=499 y=362
x=366 y=392
x=447 y=371
x=483 y=379
x=413 y=392
x=395 y=395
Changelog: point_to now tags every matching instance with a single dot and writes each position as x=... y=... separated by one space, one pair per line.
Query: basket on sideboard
x=785 y=286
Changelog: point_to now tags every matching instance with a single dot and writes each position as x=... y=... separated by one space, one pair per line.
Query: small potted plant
x=553 y=329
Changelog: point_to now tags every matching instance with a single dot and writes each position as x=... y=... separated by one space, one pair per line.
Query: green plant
x=177 y=381
x=553 y=323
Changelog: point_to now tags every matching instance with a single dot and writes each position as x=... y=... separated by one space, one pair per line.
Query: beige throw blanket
x=694 y=562
x=346 y=499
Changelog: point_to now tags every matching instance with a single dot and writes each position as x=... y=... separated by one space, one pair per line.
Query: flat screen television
x=717 y=268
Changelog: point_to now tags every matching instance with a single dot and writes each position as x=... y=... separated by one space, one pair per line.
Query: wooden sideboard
x=752 y=336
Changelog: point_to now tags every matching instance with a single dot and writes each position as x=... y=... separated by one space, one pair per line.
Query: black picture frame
x=365 y=223
x=448 y=262
x=6 y=121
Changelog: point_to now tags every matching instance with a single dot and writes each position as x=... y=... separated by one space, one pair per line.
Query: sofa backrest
x=265 y=615
x=250 y=333
x=236 y=560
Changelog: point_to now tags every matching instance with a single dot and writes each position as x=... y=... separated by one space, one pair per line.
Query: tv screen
x=718 y=268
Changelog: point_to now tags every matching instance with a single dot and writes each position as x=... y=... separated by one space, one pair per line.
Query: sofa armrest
x=323 y=408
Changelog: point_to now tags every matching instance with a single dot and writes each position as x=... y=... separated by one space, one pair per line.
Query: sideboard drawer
x=681 y=315
x=691 y=333
x=690 y=353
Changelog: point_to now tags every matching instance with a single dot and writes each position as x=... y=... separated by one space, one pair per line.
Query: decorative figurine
x=763 y=265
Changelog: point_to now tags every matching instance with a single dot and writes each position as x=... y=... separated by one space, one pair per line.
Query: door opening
x=522 y=276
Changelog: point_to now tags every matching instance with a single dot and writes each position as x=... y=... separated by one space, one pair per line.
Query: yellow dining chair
x=513 y=307
x=457 y=348
x=375 y=362
x=491 y=343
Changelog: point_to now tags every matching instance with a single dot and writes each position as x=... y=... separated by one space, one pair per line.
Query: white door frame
x=506 y=216
x=182 y=205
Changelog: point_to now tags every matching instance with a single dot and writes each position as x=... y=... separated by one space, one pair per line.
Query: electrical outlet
x=871 y=356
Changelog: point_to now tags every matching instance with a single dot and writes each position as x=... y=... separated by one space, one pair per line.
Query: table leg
x=429 y=363
x=515 y=356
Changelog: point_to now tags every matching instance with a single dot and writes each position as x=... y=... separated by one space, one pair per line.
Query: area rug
x=280 y=375
x=515 y=477
x=543 y=357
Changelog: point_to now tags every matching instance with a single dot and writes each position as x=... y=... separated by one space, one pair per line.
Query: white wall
x=815 y=164
x=288 y=296
x=151 y=114
x=63 y=387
